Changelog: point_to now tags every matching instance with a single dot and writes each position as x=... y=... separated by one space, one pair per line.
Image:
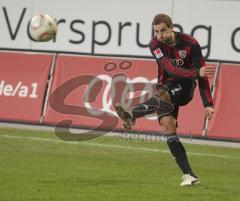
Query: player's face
x=163 y=33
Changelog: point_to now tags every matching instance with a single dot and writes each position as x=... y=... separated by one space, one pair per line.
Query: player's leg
x=160 y=100
x=177 y=149
x=169 y=125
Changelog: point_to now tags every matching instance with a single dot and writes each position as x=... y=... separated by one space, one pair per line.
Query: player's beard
x=170 y=40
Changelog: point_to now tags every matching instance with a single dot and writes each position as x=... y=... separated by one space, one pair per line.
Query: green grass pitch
x=35 y=165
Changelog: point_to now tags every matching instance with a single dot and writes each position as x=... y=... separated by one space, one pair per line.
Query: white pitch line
x=115 y=146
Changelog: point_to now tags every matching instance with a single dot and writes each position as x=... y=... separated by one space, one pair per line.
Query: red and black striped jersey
x=181 y=61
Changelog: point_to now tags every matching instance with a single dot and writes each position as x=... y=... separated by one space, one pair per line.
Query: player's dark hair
x=162 y=18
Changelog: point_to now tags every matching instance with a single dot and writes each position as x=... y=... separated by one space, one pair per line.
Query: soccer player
x=180 y=65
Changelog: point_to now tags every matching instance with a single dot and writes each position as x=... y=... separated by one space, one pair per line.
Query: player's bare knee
x=167 y=121
x=168 y=124
x=163 y=95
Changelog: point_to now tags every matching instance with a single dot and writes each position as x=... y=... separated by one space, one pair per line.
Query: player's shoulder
x=154 y=43
x=187 y=38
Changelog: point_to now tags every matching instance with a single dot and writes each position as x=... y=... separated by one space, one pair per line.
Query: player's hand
x=207 y=71
x=209 y=112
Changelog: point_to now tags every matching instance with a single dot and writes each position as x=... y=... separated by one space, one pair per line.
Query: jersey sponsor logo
x=182 y=53
x=177 y=62
x=158 y=53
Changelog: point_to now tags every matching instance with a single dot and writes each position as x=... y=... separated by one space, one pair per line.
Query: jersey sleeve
x=203 y=83
x=165 y=63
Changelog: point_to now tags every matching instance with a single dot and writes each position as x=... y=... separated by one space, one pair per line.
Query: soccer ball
x=42 y=27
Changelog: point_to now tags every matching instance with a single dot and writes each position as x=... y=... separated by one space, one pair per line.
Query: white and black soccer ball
x=42 y=27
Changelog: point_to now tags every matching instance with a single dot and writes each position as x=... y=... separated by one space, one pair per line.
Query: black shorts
x=181 y=93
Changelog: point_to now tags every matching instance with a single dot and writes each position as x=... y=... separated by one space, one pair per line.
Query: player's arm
x=166 y=64
x=203 y=83
x=205 y=93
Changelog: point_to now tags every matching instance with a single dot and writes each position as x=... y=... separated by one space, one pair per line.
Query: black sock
x=148 y=107
x=179 y=153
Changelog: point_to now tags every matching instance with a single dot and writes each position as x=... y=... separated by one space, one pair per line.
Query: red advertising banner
x=84 y=89
x=225 y=122
x=23 y=79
